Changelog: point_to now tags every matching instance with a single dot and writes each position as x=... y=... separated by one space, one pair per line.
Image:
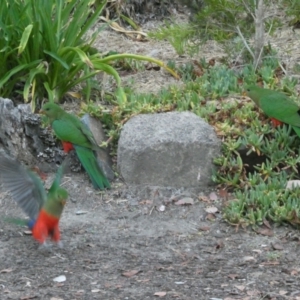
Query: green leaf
x=25 y=38
x=59 y=59
x=16 y=70
x=51 y=94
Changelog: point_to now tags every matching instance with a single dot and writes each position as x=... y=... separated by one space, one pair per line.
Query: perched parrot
x=26 y=188
x=276 y=105
x=74 y=134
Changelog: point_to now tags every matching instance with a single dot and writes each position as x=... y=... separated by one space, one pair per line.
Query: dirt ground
x=117 y=246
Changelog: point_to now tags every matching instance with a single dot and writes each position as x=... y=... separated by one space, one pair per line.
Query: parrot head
x=253 y=92
x=51 y=110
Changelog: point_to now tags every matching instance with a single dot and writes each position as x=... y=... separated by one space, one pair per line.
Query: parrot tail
x=90 y=164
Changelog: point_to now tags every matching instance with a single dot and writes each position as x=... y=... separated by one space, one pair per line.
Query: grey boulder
x=174 y=149
x=19 y=131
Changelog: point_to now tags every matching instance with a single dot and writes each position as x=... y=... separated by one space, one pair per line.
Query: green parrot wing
x=74 y=131
x=275 y=104
x=24 y=186
x=280 y=107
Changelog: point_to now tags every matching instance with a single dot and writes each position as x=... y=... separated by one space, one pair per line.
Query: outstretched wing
x=24 y=186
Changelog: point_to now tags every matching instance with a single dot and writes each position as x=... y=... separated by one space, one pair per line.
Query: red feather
x=275 y=122
x=67 y=146
x=44 y=226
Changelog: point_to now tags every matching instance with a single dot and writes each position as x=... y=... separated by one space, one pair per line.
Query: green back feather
x=275 y=105
x=68 y=127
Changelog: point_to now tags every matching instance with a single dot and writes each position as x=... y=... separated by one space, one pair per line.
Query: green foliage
x=219 y=81
x=45 y=51
x=266 y=200
x=292 y=8
x=42 y=46
x=180 y=36
x=256 y=163
x=218 y=20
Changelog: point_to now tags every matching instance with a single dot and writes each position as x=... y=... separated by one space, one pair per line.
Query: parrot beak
x=41 y=112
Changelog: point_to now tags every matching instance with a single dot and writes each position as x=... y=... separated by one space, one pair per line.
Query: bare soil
x=117 y=246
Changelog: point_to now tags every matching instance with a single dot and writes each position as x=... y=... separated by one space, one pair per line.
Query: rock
x=292 y=184
x=103 y=153
x=22 y=137
x=19 y=131
x=174 y=149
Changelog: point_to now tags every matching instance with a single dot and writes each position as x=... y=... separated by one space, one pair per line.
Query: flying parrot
x=26 y=188
x=74 y=134
x=276 y=105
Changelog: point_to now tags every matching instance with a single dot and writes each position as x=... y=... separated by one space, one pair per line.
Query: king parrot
x=276 y=105
x=26 y=188
x=70 y=130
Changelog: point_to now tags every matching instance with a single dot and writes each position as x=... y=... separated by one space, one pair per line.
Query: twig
x=282 y=68
x=245 y=42
x=151 y=210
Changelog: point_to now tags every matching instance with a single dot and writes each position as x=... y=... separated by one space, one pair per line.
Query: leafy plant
x=230 y=22
x=292 y=8
x=256 y=164
x=180 y=36
x=265 y=200
x=45 y=51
